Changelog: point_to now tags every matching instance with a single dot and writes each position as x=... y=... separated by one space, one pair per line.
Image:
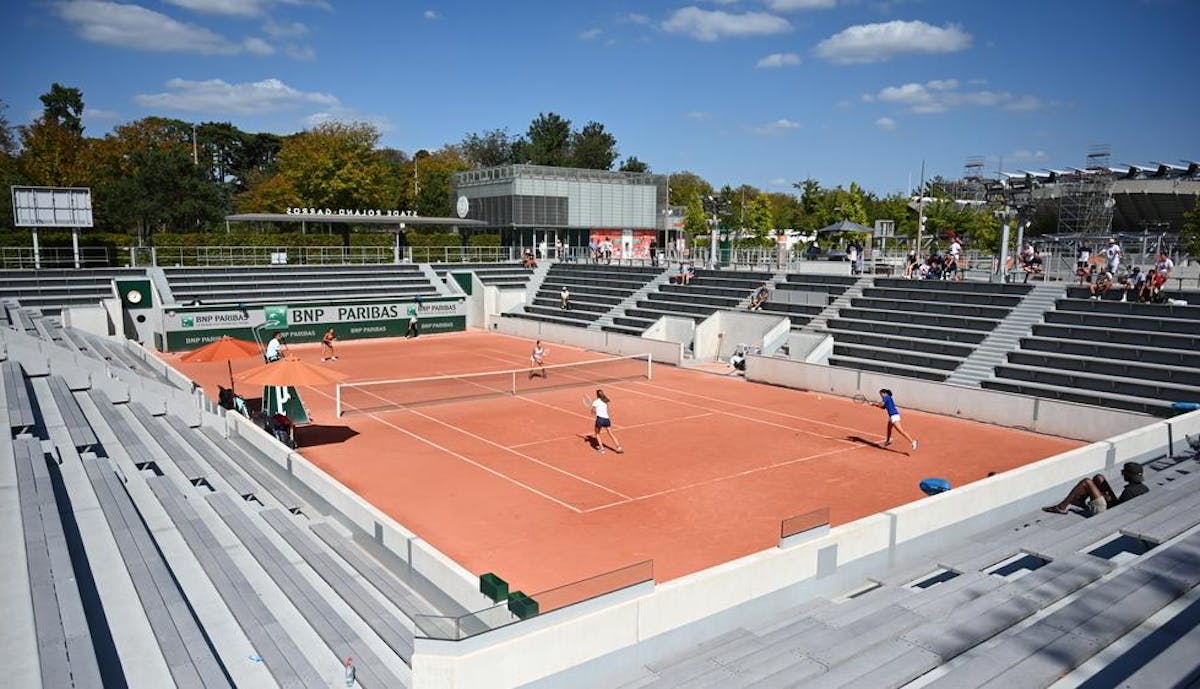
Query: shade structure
x=290 y=371
x=226 y=349
x=845 y=226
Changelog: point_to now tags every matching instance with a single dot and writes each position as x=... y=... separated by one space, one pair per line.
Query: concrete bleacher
x=490 y=274
x=708 y=291
x=802 y=296
x=919 y=328
x=595 y=290
x=218 y=557
x=1023 y=604
x=271 y=284
x=51 y=290
x=1140 y=357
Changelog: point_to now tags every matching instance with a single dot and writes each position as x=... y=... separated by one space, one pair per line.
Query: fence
x=18 y=257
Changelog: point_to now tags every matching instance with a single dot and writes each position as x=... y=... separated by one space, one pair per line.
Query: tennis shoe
x=914 y=444
x=620 y=451
x=886 y=443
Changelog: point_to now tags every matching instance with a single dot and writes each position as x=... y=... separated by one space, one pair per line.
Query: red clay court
x=712 y=464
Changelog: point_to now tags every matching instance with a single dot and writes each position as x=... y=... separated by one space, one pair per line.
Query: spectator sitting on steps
x=564 y=298
x=686 y=272
x=1101 y=284
x=528 y=261
x=1094 y=495
x=760 y=297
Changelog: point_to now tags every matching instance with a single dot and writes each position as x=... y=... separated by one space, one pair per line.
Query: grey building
x=531 y=204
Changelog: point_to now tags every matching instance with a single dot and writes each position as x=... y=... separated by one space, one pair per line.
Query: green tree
x=1189 y=232
x=166 y=191
x=632 y=164
x=333 y=165
x=695 y=221
x=759 y=223
x=489 y=148
x=786 y=210
x=63 y=106
x=53 y=155
x=435 y=174
x=8 y=166
x=686 y=186
x=593 y=148
x=548 y=141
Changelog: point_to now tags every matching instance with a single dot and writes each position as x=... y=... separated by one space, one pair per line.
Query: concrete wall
x=498 y=300
x=597 y=340
x=672 y=329
x=92 y=319
x=719 y=334
x=1052 y=417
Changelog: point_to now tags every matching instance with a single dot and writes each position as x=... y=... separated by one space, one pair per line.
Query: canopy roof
x=391 y=223
x=845 y=226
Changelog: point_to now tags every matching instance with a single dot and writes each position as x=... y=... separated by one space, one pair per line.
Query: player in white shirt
x=603 y=422
x=537 y=360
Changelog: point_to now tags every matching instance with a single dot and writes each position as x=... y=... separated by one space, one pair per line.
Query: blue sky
x=758 y=91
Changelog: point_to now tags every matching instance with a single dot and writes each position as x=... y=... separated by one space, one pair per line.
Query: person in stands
x=1095 y=494
x=564 y=298
x=686 y=272
x=760 y=297
x=1101 y=283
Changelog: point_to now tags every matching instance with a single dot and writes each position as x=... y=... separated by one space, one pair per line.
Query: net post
x=337 y=394
x=649 y=366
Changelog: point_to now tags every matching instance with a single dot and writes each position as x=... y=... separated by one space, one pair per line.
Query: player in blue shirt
x=888 y=404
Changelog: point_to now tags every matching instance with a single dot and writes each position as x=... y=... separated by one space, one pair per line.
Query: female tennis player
x=327 y=346
x=889 y=405
x=537 y=359
x=603 y=422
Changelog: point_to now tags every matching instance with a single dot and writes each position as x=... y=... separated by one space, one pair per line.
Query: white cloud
x=135 y=27
x=942 y=84
x=780 y=182
x=698 y=115
x=797 y=5
x=299 y=52
x=258 y=46
x=290 y=30
x=218 y=97
x=777 y=60
x=380 y=122
x=941 y=95
x=1023 y=155
x=779 y=126
x=887 y=124
x=711 y=25
x=880 y=42
x=590 y=34
x=635 y=18
x=241 y=8
x=431 y=15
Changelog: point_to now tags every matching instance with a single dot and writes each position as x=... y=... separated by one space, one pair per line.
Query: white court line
x=624 y=428
x=480 y=438
x=466 y=459
x=761 y=409
x=735 y=404
x=718 y=479
x=535 y=460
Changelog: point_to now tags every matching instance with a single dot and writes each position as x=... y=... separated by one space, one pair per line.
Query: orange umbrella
x=290 y=372
x=225 y=349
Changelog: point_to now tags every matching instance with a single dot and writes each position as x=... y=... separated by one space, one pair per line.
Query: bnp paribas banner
x=188 y=327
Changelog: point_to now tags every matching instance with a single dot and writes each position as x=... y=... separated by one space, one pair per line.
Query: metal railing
x=21 y=257
x=317 y=255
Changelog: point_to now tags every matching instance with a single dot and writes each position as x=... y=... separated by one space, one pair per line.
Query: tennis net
x=382 y=395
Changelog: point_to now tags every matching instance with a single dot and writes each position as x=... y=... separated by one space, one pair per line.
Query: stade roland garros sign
x=190 y=327
x=353 y=212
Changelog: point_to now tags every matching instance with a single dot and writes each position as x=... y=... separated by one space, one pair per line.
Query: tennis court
x=509 y=483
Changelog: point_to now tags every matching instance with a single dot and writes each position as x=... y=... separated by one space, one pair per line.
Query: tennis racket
x=587 y=402
x=861 y=399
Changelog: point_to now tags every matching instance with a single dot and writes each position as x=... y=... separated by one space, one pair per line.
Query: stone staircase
x=628 y=302
x=819 y=322
x=1007 y=336
x=534 y=284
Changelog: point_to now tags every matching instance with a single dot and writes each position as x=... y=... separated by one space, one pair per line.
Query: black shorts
x=602 y=422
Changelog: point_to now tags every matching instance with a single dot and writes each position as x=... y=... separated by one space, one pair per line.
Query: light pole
x=714 y=205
